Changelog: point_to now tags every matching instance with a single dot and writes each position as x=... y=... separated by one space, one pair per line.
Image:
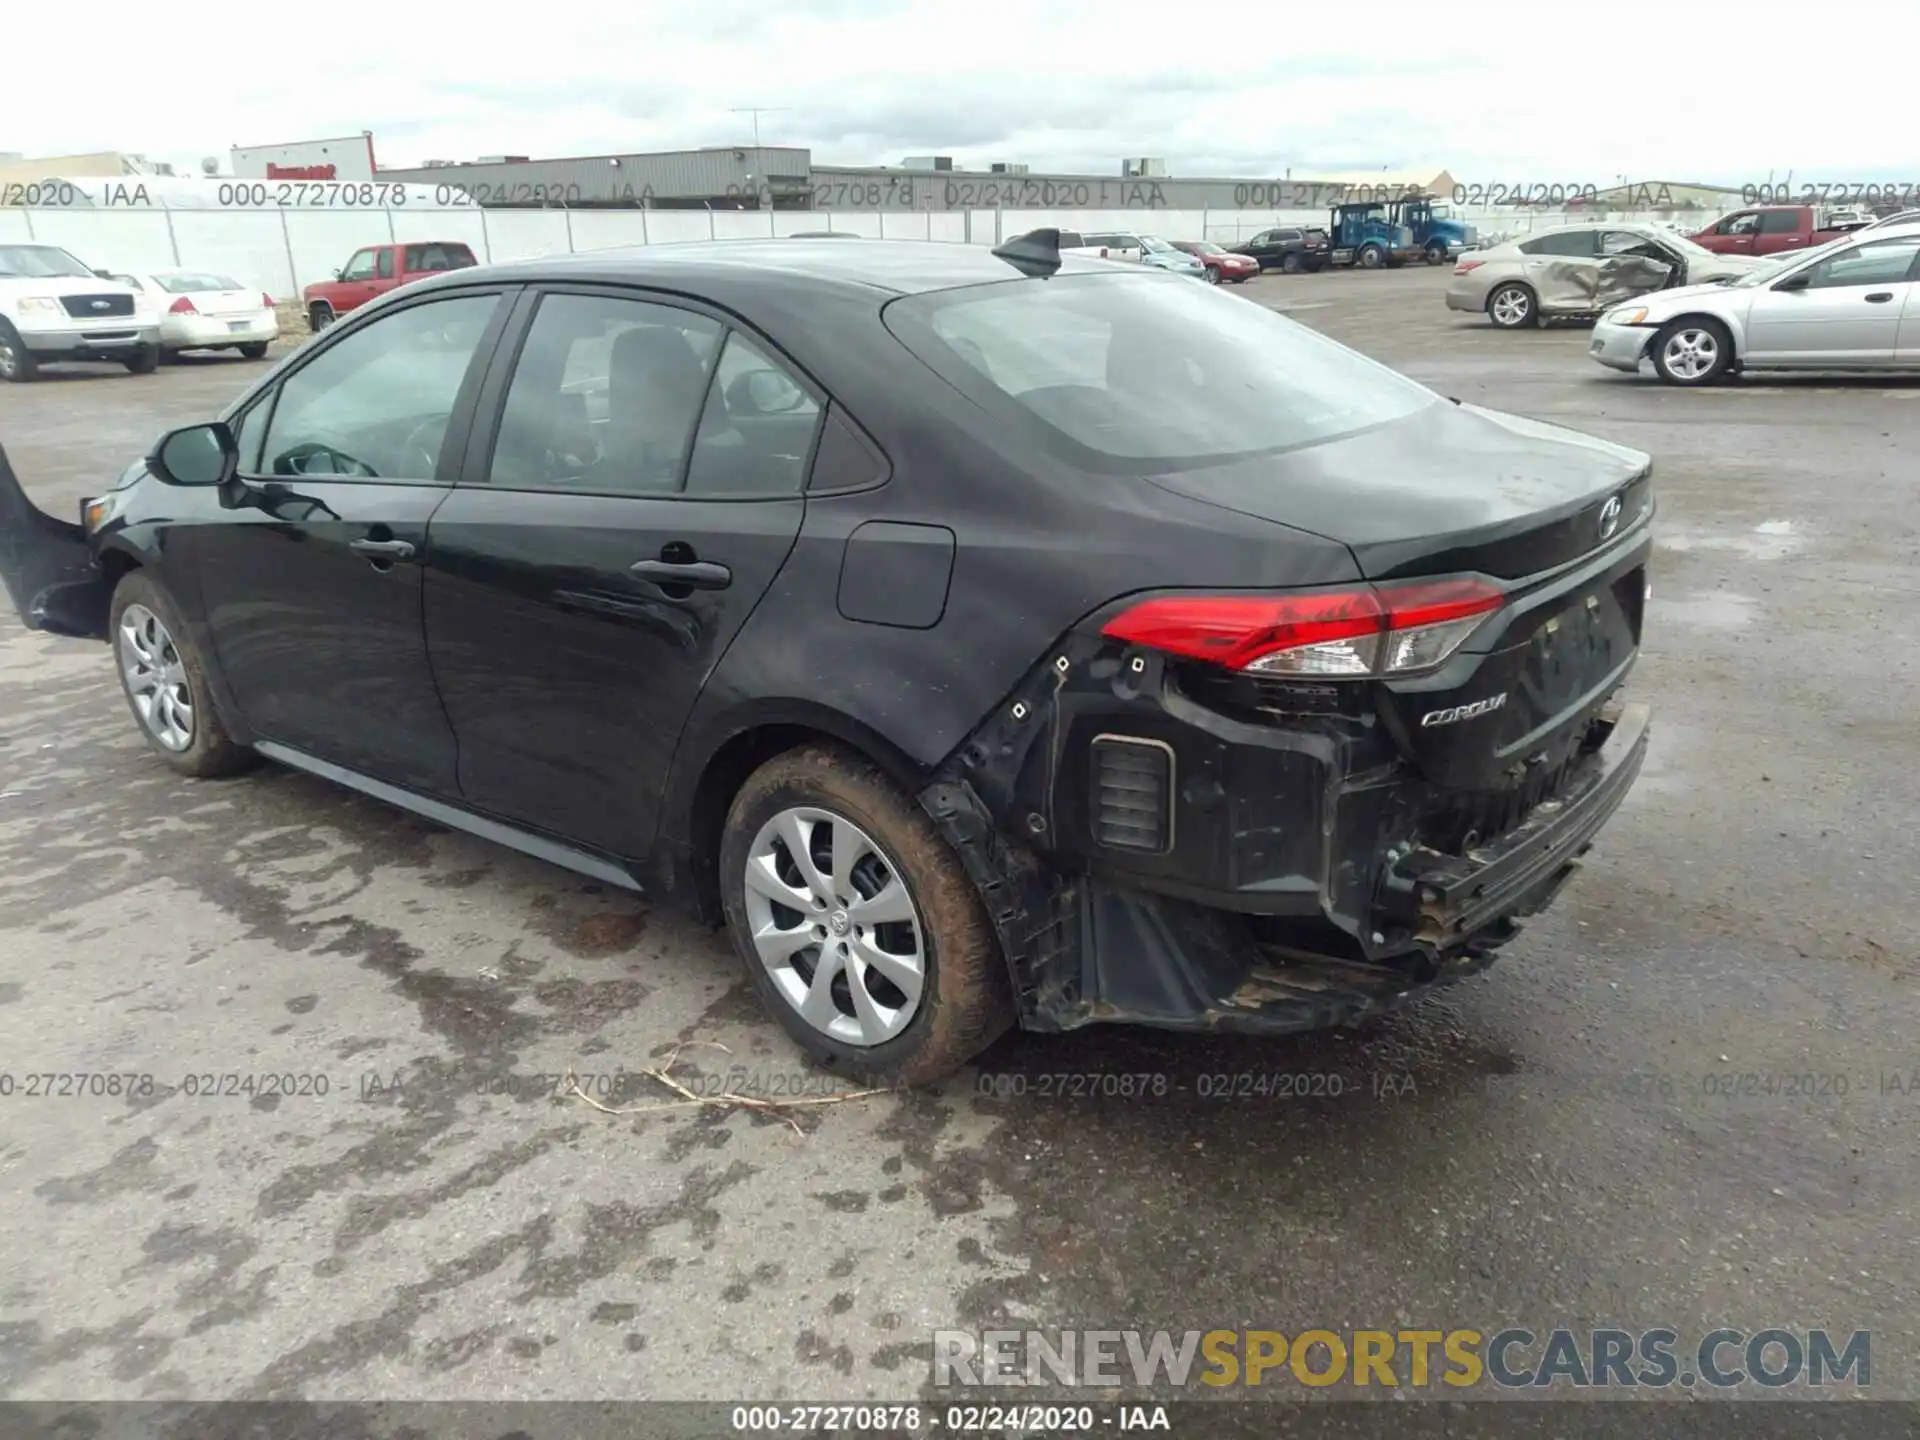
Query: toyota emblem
x=1609 y=518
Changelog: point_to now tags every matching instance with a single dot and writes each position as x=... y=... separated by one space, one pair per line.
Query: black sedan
x=984 y=638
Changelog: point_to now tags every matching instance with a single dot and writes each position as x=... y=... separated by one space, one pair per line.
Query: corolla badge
x=1609 y=518
x=1463 y=712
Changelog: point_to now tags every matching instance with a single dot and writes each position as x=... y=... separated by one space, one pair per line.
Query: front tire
x=1513 y=307
x=1692 y=351
x=319 y=316
x=1436 y=254
x=165 y=683
x=17 y=365
x=1371 y=257
x=1213 y=275
x=857 y=924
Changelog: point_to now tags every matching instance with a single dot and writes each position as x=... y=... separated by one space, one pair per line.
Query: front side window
x=360 y=267
x=605 y=397
x=1779 y=222
x=1880 y=262
x=1136 y=373
x=375 y=404
x=1747 y=224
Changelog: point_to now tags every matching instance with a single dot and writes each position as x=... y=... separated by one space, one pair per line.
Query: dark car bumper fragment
x=48 y=567
x=1086 y=950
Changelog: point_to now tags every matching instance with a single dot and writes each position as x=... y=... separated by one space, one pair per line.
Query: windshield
x=1155 y=244
x=184 y=284
x=40 y=261
x=1147 y=373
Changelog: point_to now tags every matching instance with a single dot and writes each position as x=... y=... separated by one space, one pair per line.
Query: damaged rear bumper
x=48 y=566
x=1084 y=950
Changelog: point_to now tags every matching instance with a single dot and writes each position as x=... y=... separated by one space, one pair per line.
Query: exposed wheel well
x=727 y=770
x=115 y=564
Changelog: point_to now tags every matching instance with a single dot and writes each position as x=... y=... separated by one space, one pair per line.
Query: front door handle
x=697 y=574
x=1879 y=297
x=382 y=549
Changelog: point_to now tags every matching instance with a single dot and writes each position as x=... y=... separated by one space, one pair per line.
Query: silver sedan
x=1577 y=271
x=1852 y=304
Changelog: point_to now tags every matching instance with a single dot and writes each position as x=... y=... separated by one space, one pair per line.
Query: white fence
x=282 y=250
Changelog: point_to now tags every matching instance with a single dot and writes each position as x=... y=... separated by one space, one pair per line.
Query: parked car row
x=1817 y=299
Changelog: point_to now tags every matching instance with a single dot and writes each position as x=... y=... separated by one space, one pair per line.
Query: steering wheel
x=423 y=444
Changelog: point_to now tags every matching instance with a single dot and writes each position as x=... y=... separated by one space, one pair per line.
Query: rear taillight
x=1465 y=265
x=266 y=300
x=182 y=306
x=1369 y=631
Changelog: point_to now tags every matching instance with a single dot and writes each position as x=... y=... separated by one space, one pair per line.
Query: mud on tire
x=965 y=1001
x=211 y=751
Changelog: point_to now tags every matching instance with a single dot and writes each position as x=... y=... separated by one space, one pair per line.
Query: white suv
x=54 y=308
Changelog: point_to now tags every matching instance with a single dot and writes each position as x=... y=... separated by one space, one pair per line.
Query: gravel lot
x=1546 y=1146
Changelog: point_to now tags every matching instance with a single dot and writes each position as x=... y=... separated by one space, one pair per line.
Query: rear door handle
x=699 y=574
x=382 y=549
x=1879 y=297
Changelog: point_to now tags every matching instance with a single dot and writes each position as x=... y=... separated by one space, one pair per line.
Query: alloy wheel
x=1690 y=354
x=156 y=677
x=1511 y=307
x=835 y=925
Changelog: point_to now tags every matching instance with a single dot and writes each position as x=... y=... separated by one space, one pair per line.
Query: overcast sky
x=1495 y=90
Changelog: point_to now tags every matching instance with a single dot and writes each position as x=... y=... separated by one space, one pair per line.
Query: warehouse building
x=786 y=178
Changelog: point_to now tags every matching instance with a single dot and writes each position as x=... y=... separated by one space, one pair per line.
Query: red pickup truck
x=376 y=269
x=1768 y=230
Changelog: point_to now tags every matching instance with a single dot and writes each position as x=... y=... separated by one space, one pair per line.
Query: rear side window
x=1579 y=243
x=757 y=428
x=1132 y=373
x=605 y=396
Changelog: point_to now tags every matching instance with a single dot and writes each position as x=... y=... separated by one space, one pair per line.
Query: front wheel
x=17 y=365
x=856 y=922
x=1692 y=352
x=319 y=316
x=1213 y=275
x=1371 y=257
x=165 y=683
x=1436 y=254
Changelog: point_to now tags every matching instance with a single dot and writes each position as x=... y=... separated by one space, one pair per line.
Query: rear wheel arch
x=705 y=797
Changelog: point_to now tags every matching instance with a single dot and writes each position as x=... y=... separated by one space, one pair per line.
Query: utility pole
x=756 y=111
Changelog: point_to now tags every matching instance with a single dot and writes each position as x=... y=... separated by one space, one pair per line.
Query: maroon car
x=1221 y=263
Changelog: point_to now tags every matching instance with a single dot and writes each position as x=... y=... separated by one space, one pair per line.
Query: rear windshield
x=437 y=257
x=1149 y=371
x=195 y=284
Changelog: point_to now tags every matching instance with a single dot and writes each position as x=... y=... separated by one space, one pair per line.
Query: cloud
x=1505 y=90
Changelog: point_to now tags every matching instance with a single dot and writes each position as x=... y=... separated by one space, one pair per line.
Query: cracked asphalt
x=1552 y=1144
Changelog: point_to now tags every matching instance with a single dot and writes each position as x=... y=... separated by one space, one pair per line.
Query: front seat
x=655 y=383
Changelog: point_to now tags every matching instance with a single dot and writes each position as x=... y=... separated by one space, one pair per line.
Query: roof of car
x=905 y=267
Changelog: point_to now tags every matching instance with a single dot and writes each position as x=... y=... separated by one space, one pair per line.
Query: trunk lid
x=1456 y=489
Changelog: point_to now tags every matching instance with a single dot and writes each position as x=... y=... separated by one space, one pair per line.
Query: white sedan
x=200 y=310
x=1851 y=304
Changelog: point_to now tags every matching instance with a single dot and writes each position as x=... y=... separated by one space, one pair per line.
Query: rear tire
x=254 y=350
x=1692 y=351
x=17 y=365
x=165 y=683
x=826 y=797
x=1513 y=307
x=143 y=361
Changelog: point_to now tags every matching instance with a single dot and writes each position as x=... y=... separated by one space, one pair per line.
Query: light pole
x=756 y=111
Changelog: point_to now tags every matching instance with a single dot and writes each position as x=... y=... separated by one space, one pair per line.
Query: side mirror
x=1799 y=280
x=337 y=271
x=196 y=455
